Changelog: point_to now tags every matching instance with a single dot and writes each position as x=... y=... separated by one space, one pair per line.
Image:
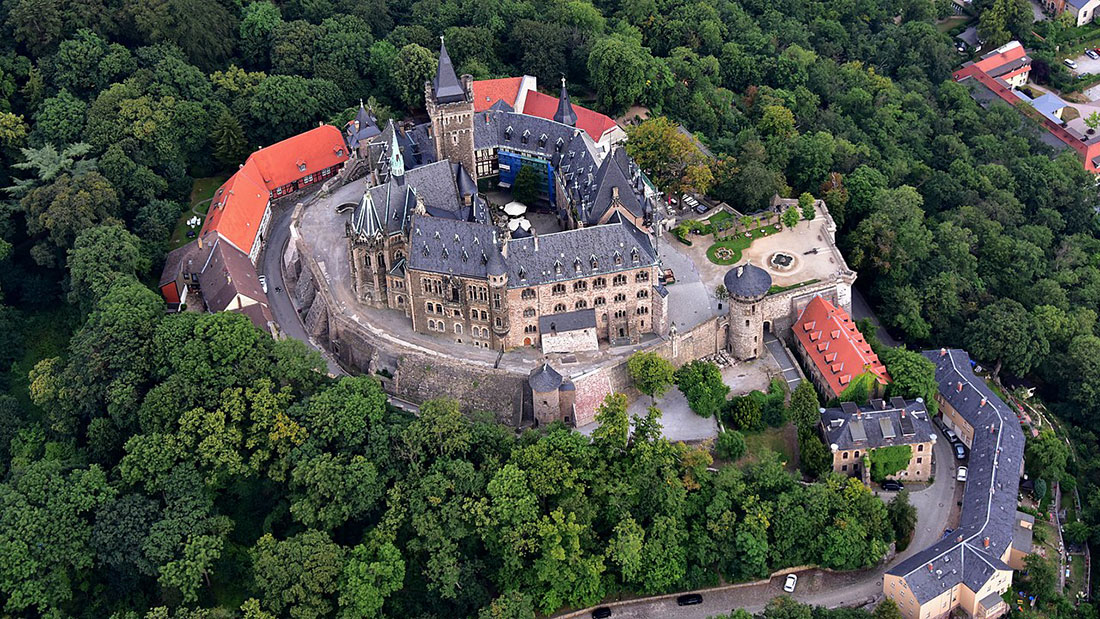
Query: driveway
x=1085 y=66
x=786 y=364
x=936 y=510
x=282 y=310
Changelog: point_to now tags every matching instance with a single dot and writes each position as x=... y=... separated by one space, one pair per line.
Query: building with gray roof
x=972 y=566
x=853 y=432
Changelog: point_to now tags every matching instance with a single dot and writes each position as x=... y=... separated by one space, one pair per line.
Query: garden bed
x=728 y=251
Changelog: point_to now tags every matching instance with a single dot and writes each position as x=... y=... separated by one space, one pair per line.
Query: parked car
x=690 y=599
x=700 y=208
x=792 y=581
x=951 y=436
x=1092 y=54
x=602 y=612
x=960 y=475
x=960 y=47
x=892 y=485
x=263 y=283
x=960 y=452
x=1070 y=63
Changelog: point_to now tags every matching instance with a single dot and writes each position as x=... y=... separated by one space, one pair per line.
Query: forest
x=186 y=466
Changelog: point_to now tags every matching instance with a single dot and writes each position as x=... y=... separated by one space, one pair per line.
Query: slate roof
x=568 y=321
x=747 y=281
x=187 y=259
x=446 y=85
x=447 y=246
x=573 y=254
x=1048 y=104
x=907 y=421
x=228 y=273
x=361 y=128
x=387 y=207
x=258 y=313
x=544 y=379
x=565 y=113
x=987 y=522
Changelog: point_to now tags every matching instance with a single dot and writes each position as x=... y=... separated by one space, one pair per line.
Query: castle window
x=581 y=304
x=497 y=322
x=598 y=283
x=595 y=263
x=558 y=289
x=542 y=140
x=526 y=135
x=458 y=328
x=426 y=284
x=559 y=144
x=618 y=259
x=431 y=308
x=580 y=286
x=531 y=329
x=557 y=267
x=634 y=255
x=560 y=307
x=528 y=293
x=577 y=265
x=642 y=294
x=642 y=276
x=620 y=280
x=529 y=312
x=496 y=300
x=920 y=447
x=366 y=260
x=508 y=133
x=620 y=313
x=619 y=298
x=599 y=301
x=642 y=310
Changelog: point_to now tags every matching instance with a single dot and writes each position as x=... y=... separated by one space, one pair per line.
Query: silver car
x=960 y=452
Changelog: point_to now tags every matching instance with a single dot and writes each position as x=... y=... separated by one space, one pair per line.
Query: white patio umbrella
x=514 y=209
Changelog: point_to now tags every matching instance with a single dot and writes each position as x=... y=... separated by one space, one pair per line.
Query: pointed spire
x=565 y=114
x=397 y=162
x=446 y=86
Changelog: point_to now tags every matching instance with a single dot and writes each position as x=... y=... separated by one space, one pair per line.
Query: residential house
x=853 y=432
x=833 y=351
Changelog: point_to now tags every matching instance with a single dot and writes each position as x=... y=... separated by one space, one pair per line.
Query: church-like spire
x=397 y=162
x=565 y=114
x=446 y=85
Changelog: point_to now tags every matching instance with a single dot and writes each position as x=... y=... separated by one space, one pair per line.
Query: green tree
x=804 y=407
x=258 y=21
x=374 y=570
x=625 y=550
x=203 y=29
x=299 y=575
x=671 y=159
x=903 y=519
x=745 y=413
x=230 y=144
x=701 y=383
x=912 y=375
x=790 y=217
x=1077 y=532
x=1046 y=456
x=527 y=186
x=730 y=445
x=1042 y=576
x=415 y=65
x=327 y=490
x=814 y=457
x=187 y=573
x=651 y=373
x=806 y=205
x=618 y=66
x=99 y=256
x=511 y=605
x=887 y=609
x=1006 y=333
x=284 y=105
x=614 y=425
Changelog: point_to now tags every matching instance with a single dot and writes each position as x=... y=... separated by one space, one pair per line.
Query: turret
x=565 y=115
x=397 y=162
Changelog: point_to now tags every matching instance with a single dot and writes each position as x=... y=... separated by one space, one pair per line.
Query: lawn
x=737 y=244
x=721 y=217
x=202 y=191
x=783 y=441
x=952 y=22
x=1076 y=580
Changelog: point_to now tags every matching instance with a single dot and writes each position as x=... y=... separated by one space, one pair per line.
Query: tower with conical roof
x=450 y=104
x=397 y=161
x=565 y=115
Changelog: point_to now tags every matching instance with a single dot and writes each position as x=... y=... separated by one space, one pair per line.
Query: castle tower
x=565 y=115
x=450 y=105
x=747 y=286
x=497 y=271
x=397 y=161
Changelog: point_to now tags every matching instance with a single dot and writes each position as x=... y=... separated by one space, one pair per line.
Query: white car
x=1070 y=63
x=792 y=580
x=961 y=474
x=263 y=283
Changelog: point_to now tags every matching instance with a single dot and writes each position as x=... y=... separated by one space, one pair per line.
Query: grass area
x=778 y=289
x=1076 y=580
x=952 y=22
x=47 y=335
x=737 y=244
x=783 y=441
x=201 y=193
x=721 y=217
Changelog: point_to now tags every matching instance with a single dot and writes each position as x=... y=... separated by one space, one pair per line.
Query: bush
x=731 y=445
x=744 y=413
x=885 y=461
x=702 y=385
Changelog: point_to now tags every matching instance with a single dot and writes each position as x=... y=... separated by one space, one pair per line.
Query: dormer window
x=542 y=140
x=522 y=273
x=595 y=263
x=577 y=265
x=301 y=166
x=526 y=136
x=634 y=255
x=618 y=259
x=508 y=133
x=557 y=267
x=559 y=144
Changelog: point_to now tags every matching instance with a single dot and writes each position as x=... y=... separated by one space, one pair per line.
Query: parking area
x=1086 y=65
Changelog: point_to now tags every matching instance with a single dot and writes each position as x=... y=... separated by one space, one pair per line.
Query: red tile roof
x=1001 y=56
x=488 y=92
x=545 y=106
x=306 y=153
x=835 y=346
x=238 y=206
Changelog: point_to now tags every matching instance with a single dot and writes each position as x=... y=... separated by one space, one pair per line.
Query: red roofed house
x=238 y=218
x=521 y=94
x=833 y=350
x=1007 y=68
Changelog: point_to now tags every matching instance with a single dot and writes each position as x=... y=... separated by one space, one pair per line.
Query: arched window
x=529 y=312
x=620 y=280
x=620 y=313
x=580 y=286
x=531 y=329
x=599 y=301
x=599 y=282
x=528 y=293
x=642 y=310
x=581 y=304
x=642 y=294
x=558 y=289
x=560 y=307
x=619 y=298
x=642 y=276
x=458 y=328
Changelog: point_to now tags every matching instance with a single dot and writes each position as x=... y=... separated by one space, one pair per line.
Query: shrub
x=731 y=445
x=885 y=461
x=702 y=385
x=745 y=413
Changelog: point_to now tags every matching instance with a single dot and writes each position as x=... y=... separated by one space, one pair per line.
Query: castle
x=423 y=241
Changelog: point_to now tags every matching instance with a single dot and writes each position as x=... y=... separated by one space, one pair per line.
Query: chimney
x=959 y=388
x=985 y=542
x=983 y=402
x=943 y=351
x=930 y=568
x=535 y=236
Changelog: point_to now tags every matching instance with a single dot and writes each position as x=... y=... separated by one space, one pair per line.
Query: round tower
x=497 y=273
x=747 y=286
